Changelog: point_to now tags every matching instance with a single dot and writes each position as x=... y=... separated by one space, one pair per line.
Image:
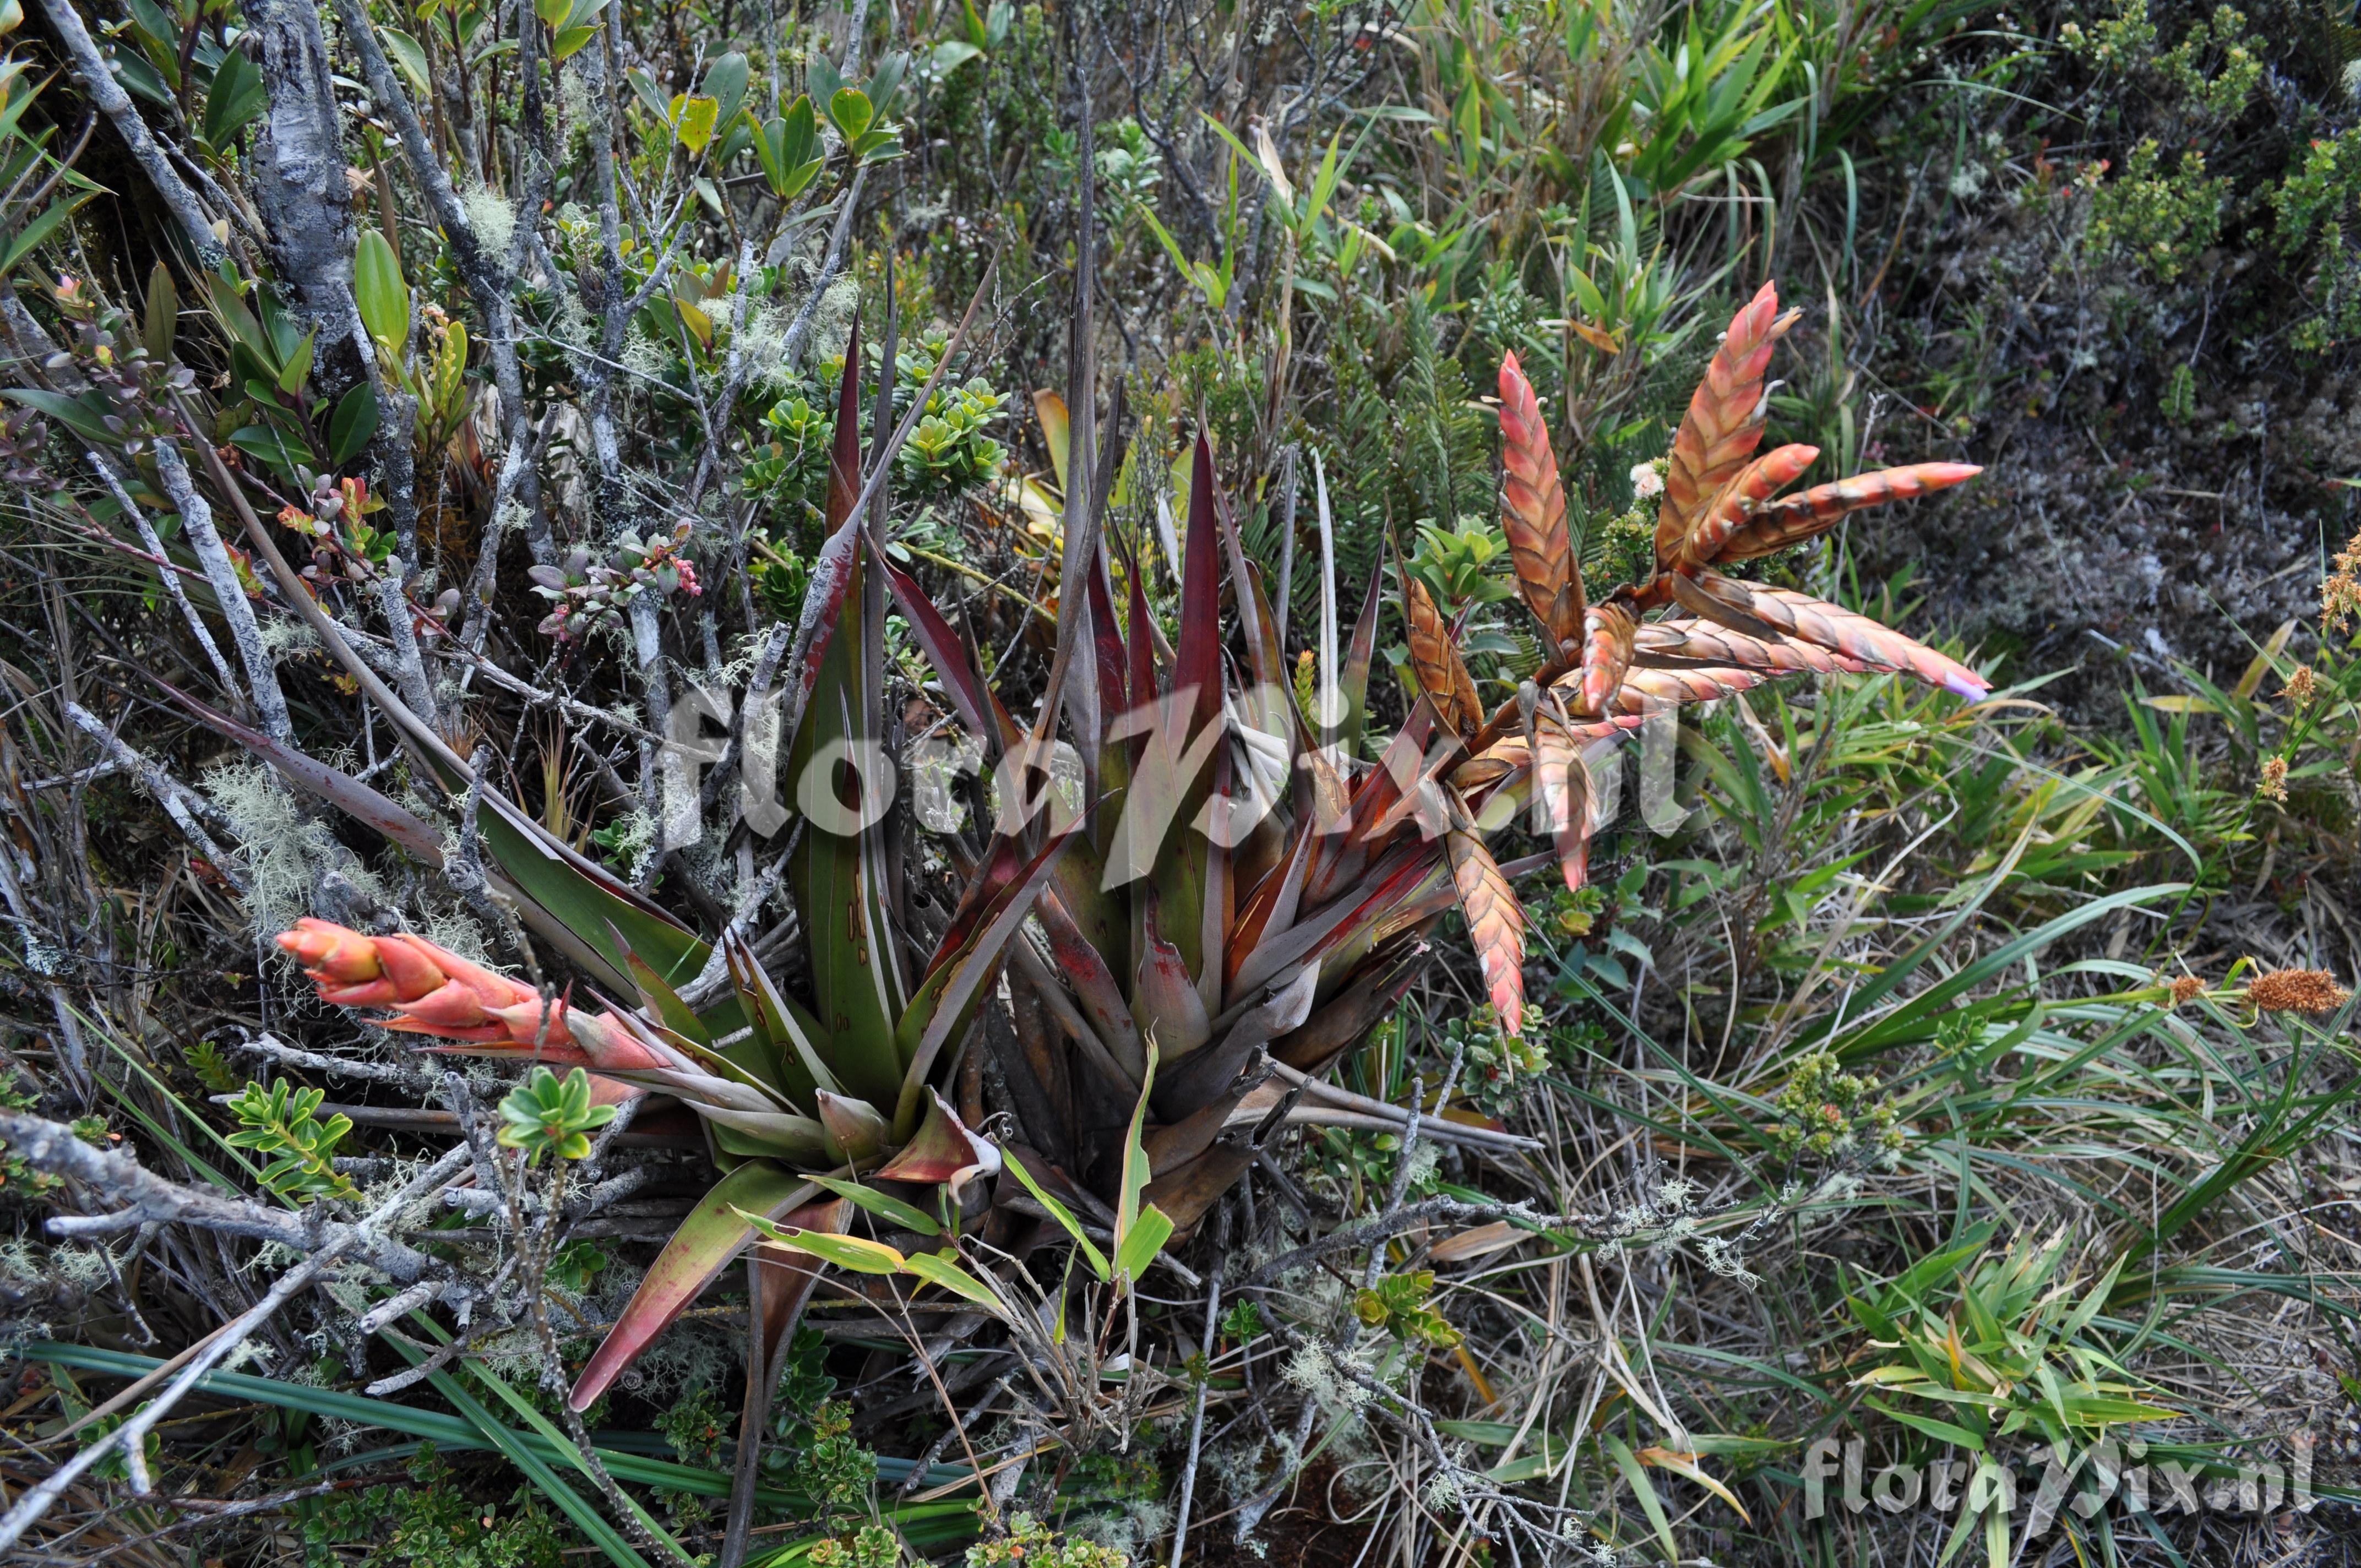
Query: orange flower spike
x=1606 y=645
x=1740 y=499
x=330 y=952
x=490 y=990
x=1533 y=511
x=1724 y=423
x=1794 y=518
x=409 y=968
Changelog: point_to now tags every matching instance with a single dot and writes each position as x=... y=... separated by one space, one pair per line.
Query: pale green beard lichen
x=832 y=325
x=282 y=637
x=645 y=359
x=493 y=217
x=280 y=850
x=763 y=344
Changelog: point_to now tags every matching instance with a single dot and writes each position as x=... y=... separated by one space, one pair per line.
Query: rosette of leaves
x=586 y=591
x=949 y=451
x=1231 y=889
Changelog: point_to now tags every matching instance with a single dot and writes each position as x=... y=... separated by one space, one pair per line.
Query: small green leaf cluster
x=544 y=1116
x=282 y=1122
x=1032 y=1544
x=871 y=1546
x=213 y=1069
x=1464 y=564
x=2214 y=66
x=1401 y=1304
x=792 y=465
x=949 y=451
x=1498 y=1068
x=431 y=1523
x=2162 y=220
x=577 y=1264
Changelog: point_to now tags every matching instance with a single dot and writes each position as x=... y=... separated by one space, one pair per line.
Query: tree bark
x=300 y=189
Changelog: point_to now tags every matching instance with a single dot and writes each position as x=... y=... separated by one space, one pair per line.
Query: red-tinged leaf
x=1272 y=907
x=1724 y=423
x=844 y=451
x=1198 y=670
x=1339 y=857
x=1372 y=896
x=1106 y=642
x=1532 y=512
x=1086 y=974
x=1740 y=499
x=1004 y=863
x=713 y=1234
x=978 y=705
x=1606 y=643
x=341 y=790
x=833 y=573
x=1141 y=650
x=942 y=1149
x=783 y=1280
x=1165 y=999
x=1496 y=926
x=947 y=999
x=1346 y=1019
x=1805 y=515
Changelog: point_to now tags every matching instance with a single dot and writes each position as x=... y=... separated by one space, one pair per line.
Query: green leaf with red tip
x=715 y=1231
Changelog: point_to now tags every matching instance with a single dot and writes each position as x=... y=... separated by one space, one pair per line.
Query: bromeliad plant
x=1236 y=900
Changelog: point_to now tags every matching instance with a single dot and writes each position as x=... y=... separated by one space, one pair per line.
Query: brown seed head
x=2303 y=686
x=2340 y=592
x=2310 y=990
x=2186 y=989
x=2273 y=783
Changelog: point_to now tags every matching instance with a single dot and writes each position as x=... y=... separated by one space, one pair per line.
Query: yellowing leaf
x=692 y=117
x=1051 y=410
x=1686 y=1464
x=855 y=1252
x=2261 y=666
x=1605 y=341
